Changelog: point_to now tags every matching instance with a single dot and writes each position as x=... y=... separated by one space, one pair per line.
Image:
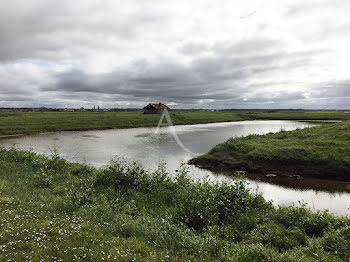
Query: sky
x=185 y=53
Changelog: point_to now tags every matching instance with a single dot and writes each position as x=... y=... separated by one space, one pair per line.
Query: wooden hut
x=155 y=108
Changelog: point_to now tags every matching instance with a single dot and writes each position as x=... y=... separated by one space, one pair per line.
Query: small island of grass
x=318 y=152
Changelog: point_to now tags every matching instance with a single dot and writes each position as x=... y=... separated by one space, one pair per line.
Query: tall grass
x=126 y=213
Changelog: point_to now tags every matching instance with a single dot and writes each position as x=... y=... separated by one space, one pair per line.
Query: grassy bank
x=36 y=122
x=12 y=123
x=321 y=152
x=54 y=210
x=300 y=115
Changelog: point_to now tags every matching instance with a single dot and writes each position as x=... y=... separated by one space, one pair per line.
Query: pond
x=178 y=144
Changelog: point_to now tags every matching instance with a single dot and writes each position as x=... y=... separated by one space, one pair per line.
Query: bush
x=43 y=179
x=313 y=224
x=277 y=236
x=120 y=175
x=80 y=194
x=337 y=241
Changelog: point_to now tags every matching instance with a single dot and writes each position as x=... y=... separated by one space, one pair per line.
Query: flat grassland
x=14 y=123
x=52 y=210
x=322 y=152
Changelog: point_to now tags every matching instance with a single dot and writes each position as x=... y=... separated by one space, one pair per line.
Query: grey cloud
x=54 y=30
x=300 y=9
x=335 y=31
x=219 y=77
x=151 y=54
x=331 y=89
x=277 y=98
x=193 y=48
x=250 y=46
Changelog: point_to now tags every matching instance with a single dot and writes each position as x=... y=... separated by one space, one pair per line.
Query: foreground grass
x=321 y=152
x=12 y=123
x=54 y=210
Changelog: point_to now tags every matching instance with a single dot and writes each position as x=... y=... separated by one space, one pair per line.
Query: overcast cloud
x=189 y=54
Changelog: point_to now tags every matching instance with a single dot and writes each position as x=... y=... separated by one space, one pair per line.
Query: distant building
x=68 y=109
x=42 y=109
x=155 y=108
x=82 y=109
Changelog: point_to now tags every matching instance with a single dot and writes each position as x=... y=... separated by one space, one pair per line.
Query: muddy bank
x=266 y=169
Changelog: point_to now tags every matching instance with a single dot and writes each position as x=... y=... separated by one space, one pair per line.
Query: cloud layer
x=276 y=54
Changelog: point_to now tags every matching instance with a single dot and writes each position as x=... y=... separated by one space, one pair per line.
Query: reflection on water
x=142 y=144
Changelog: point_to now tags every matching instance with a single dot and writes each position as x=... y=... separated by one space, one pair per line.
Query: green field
x=322 y=152
x=300 y=115
x=52 y=210
x=12 y=123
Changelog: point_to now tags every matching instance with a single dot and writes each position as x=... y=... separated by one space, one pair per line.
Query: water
x=98 y=148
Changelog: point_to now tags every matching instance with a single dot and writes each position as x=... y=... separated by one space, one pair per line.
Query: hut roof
x=157 y=106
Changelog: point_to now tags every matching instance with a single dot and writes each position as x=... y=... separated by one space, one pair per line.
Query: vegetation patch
x=19 y=123
x=318 y=152
x=125 y=213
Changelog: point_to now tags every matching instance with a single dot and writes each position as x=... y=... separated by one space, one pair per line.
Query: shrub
x=252 y=253
x=277 y=236
x=43 y=179
x=120 y=175
x=313 y=224
x=82 y=170
x=337 y=241
x=80 y=194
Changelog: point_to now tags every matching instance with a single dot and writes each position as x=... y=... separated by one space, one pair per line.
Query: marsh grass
x=321 y=152
x=126 y=213
x=13 y=123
